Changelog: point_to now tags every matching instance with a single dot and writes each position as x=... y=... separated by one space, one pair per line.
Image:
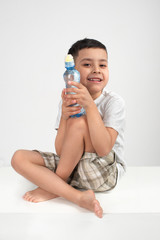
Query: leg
x=50 y=182
x=19 y=160
x=77 y=140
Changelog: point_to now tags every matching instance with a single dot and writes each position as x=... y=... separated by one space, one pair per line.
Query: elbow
x=104 y=151
x=57 y=148
x=58 y=152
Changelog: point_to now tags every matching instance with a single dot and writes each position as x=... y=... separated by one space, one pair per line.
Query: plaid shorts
x=92 y=172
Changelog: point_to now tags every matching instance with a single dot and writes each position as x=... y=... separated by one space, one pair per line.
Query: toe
x=28 y=197
x=34 y=200
x=25 y=196
x=98 y=210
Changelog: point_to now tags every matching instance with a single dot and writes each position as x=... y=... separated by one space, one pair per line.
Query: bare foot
x=38 y=195
x=89 y=202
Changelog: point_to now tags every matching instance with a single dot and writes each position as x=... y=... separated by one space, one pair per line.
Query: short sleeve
x=58 y=116
x=114 y=115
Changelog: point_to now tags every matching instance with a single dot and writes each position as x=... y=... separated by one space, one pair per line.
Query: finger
x=69 y=90
x=74 y=112
x=71 y=97
x=68 y=102
x=63 y=93
x=76 y=84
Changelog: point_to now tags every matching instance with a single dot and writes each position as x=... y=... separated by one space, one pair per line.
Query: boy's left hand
x=82 y=96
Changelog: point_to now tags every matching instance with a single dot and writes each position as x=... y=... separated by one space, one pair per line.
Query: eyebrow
x=90 y=59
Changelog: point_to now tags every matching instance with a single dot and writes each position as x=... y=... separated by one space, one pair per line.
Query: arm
x=103 y=138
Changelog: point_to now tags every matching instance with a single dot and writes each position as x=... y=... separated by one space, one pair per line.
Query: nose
x=96 y=69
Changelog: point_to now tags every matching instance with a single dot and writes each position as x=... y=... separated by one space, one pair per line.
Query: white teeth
x=93 y=79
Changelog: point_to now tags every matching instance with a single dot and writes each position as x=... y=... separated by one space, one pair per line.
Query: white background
x=35 y=36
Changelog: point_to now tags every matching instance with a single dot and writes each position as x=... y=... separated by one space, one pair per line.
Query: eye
x=103 y=65
x=86 y=64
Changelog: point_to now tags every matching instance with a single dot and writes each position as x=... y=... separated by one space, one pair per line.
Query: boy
x=89 y=148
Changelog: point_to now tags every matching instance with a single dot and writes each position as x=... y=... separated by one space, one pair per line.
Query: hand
x=82 y=96
x=68 y=110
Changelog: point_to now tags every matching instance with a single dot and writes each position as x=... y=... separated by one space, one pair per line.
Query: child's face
x=92 y=64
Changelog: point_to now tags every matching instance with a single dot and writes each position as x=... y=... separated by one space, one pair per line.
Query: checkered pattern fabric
x=92 y=172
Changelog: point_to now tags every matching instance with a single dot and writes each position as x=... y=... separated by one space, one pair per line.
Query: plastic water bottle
x=71 y=74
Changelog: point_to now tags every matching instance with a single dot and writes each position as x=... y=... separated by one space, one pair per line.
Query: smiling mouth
x=94 y=80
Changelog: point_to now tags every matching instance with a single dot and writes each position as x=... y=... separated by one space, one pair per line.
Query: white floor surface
x=131 y=210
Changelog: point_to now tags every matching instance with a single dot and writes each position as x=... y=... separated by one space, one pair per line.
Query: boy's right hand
x=67 y=110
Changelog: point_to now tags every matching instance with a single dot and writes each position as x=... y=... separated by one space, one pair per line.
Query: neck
x=96 y=95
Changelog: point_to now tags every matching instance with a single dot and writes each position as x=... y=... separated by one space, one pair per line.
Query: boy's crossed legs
x=31 y=165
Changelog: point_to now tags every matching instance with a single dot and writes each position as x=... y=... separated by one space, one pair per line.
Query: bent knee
x=17 y=159
x=77 y=123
